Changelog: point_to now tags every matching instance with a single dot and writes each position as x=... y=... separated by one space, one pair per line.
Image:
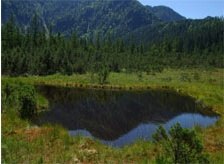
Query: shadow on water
x=118 y=118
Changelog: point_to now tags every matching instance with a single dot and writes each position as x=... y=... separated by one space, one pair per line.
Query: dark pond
x=118 y=118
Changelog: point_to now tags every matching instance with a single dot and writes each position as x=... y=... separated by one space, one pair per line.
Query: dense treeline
x=184 y=44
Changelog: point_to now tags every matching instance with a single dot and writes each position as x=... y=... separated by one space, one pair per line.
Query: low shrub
x=179 y=145
x=27 y=101
x=196 y=76
x=21 y=97
x=184 y=77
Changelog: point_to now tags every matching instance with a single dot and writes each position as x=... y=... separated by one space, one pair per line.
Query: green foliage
x=180 y=145
x=9 y=96
x=27 y=99
x=139 y=74
x=167 y=79
x=184 y=77
x=196 y=76
x=43 y=49
x=21 y=97
x=33 y=53
x=103 y=73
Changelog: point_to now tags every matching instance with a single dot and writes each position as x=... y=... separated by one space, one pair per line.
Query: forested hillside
x=165 y=14
x=188 y=43
x=87 y=41
x=87 y=17
x=84 y=17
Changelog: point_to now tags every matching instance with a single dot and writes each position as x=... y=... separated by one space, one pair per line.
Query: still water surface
x=118 y=118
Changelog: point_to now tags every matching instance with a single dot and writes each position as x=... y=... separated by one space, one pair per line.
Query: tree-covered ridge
x=165 y=14
x=188 y=43
x=102 y=36
x=195 y=34
x=87 y=17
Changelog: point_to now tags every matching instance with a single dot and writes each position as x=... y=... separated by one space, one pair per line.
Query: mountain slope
x=85 y=17
x=165 y=13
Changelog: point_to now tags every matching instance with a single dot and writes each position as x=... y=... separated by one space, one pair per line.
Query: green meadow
x=24 y=142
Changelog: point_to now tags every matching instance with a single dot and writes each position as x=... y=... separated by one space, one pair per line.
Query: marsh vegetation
x=129 y=87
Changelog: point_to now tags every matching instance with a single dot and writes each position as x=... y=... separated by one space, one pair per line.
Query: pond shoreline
x=132 y=88
x=132 y=109
x=204 y=90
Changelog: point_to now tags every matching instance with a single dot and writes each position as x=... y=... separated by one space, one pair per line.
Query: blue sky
x=191 y=8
